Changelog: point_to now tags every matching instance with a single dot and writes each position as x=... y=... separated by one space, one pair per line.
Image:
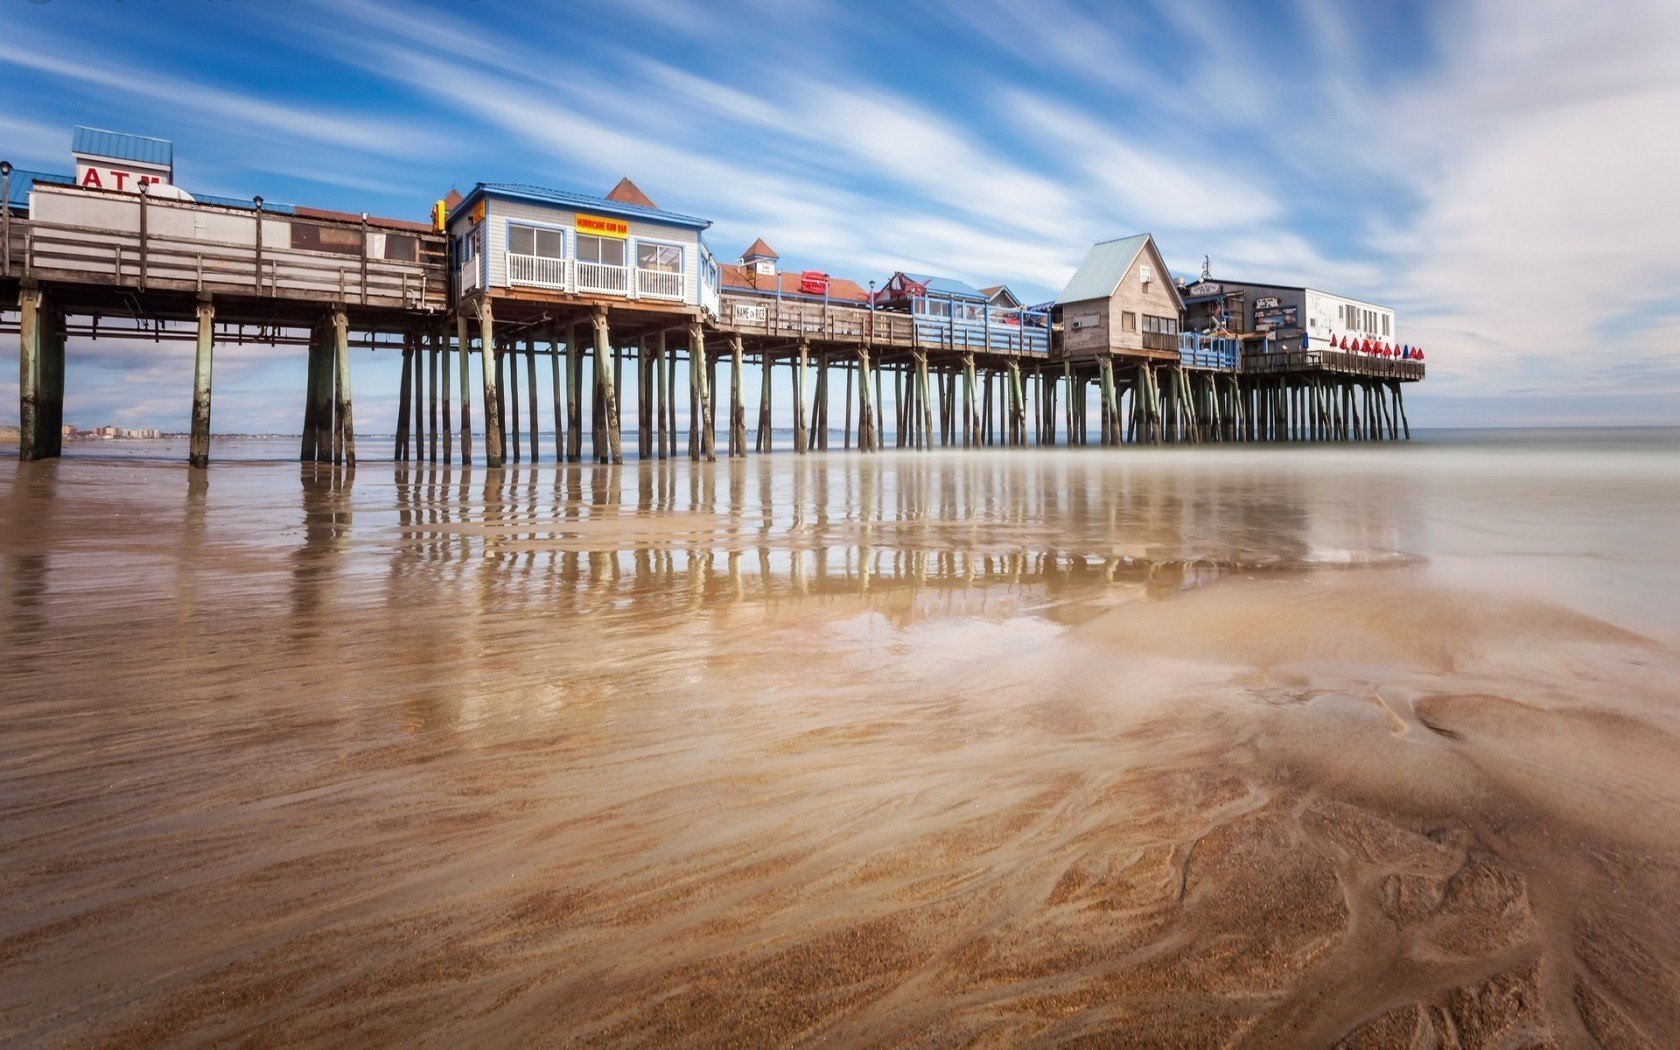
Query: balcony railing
x=659 y=284
x=1198 y=351
x=601 y=279
x=541 y=271
x=1160 y=341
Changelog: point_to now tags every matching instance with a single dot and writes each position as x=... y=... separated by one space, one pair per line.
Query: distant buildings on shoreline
x=110 y=433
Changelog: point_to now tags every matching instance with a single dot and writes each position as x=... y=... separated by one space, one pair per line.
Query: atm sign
x=600 y=227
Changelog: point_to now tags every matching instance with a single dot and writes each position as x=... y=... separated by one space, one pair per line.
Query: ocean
x=1276 y=745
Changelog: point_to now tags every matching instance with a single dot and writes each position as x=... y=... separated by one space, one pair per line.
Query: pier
x=601 y=298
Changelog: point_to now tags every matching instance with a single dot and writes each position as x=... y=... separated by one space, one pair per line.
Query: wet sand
x=1376 y=747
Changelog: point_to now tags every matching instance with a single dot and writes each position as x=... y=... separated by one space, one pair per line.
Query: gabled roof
x=568 y=199
x=627 y=192
x=746 y=278
x=759 y=250
x=117 y=145
x=1104 y=268
x=993 y=291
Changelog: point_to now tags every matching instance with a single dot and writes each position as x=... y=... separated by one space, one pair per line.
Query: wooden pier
x=605 y=320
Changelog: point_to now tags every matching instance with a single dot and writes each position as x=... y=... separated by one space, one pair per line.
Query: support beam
x=867 y=440
x=405 y=399
x=31 y=446
x=428 y=351
x=510 y=399
x=344 y=424
x=703 y=410
x=800 y=434
x=441 y=347
x=574 y=396
x=644 y=400
x=198 y=447
x=559 y=394
x=762 y=441
x=609 y=397
x=464 y=345
x=489 y=366
x=737 y=412
x=531 y=393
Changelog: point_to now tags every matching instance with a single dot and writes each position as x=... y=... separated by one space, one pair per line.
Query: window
x=1160 y=325
x=607 y=250
x=1385 y=324
x=400 y=247
x=343 y=240
x=466 y=248
x=666 y=258
x=1128 y=321
x=533 y=240
x=938 y=307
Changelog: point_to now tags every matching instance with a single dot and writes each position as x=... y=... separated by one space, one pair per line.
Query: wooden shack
x=1121 y=302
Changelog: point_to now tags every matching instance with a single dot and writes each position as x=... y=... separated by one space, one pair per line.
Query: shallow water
x=1260 y=746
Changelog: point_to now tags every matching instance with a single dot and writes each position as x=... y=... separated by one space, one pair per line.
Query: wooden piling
x=510 y=395
x=762 y=436
x=41 y=342
x=531 y=392
x=574 y=395
x=866 y=413
x=559 y=396
x=737 y=411
x=429 y=356
x=670 y=390
x=609 y=397
x=198 y=449
x=800 y=435
x=344 y=424
x=405 y=398
x=703 y=410
x=490 y=367
x=463 y=346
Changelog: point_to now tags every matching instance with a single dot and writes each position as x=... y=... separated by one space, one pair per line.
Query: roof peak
x=760 y=249
x=627 y=192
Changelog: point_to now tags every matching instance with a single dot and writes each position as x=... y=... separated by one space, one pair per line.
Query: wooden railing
x=1340 y=361
x=659 y=284
x=537 y=270
x=830 y=322
x=147 y=260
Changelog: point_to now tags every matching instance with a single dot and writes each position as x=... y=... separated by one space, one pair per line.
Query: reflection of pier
x=609 y=538
x=613 y=292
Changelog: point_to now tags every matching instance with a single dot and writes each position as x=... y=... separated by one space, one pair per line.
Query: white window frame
x=547 y=227
x=577 y=249
x=678 y=246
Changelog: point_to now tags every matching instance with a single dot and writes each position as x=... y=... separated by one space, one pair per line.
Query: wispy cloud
x=1498 y=171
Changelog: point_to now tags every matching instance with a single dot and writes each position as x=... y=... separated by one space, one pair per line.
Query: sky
x=1501 y=172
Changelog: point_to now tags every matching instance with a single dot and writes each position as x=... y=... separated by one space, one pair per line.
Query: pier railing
x=1199 y=351
x=830 y=322
x=1340 y=361
x=130 y=241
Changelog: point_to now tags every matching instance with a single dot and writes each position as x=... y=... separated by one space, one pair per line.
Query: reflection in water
x=750 y=530
x=1221 y=746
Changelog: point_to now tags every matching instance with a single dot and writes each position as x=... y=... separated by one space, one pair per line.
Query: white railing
x=601 y=277
x=537 y=270
x=659 y=284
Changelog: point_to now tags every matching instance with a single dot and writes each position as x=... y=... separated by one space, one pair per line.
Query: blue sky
x=1499 y=171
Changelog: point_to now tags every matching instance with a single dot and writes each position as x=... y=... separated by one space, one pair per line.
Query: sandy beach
x=1262 y=747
